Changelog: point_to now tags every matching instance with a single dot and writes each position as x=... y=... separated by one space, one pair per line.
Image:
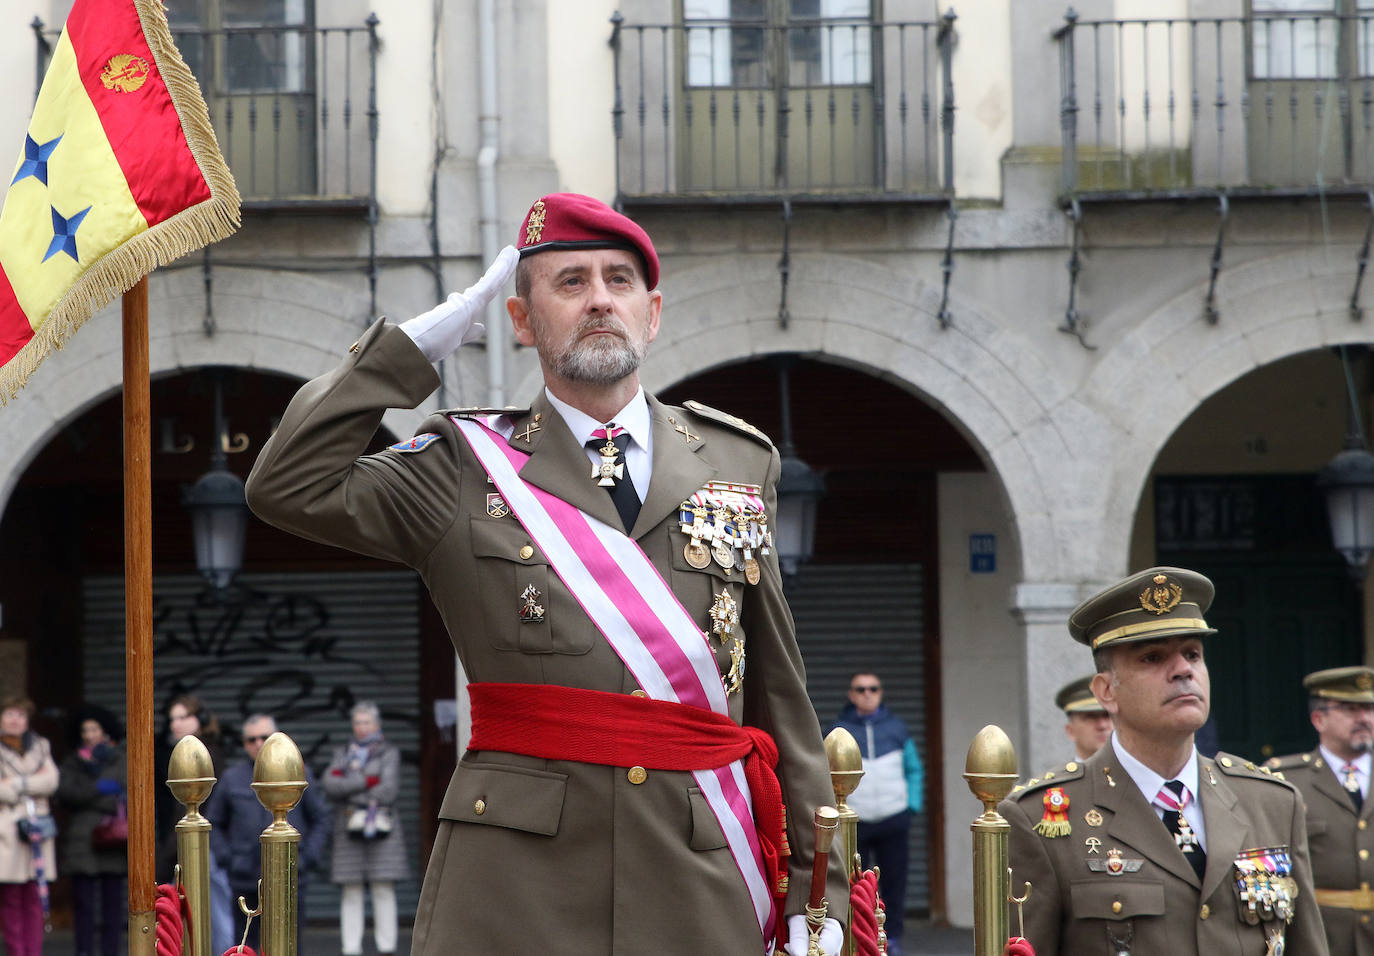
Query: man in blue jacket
x=892 y=789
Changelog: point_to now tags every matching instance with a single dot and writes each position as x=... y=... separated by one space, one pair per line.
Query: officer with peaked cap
x=624 y=787
x=1088 y=725
x=1147 y=847
x=1334 y=780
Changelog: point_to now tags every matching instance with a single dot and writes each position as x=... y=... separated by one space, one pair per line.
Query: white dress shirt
x=1360 y=763
x=1150 y=783
x=634 y=418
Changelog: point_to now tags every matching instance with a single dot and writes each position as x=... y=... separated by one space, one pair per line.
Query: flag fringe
x=191 y=229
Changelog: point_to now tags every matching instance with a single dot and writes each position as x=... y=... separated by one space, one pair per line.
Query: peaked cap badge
x=1364 y=681
x=535 y=227
x=1162 y=596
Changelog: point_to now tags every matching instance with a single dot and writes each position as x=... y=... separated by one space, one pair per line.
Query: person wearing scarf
x=28 y=777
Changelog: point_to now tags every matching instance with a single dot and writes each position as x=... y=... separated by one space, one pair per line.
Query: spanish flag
x=120 y=172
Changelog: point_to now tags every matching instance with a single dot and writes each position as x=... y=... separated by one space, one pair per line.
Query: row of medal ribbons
x=726 y=523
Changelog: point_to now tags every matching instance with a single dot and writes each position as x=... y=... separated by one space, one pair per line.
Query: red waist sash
x=619 y=730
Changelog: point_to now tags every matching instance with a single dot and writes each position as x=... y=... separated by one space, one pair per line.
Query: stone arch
x=986 y=379
x=1151 y=379
x=300 y=327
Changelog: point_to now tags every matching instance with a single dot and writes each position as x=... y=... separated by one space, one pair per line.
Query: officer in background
x=1334 y=780
x=1147 y=847
x=1088 y=724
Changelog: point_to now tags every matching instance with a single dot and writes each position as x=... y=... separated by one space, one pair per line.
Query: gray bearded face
x=594 y=359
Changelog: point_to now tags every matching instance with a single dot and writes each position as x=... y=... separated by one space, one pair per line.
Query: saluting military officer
x=1334 y=780
x=1088 y=725
x=1146 y=847
x=603 y=564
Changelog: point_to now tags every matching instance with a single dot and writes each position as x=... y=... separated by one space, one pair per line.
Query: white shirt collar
x=1150 y=782
x=1337 y=765
x=634 y=418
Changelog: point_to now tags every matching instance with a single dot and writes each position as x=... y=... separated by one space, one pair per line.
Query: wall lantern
x=800 y=488
x=1347 y=481
x=219 y=511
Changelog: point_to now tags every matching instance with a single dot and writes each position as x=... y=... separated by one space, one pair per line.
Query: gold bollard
x=279 y=781
x=990 y=771
x=846 y=770
x=191 y=777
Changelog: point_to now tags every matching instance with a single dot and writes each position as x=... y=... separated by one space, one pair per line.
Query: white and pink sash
x=647 y=626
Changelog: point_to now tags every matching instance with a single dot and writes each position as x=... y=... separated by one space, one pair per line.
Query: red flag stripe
x=142 y=126
x=15 y=330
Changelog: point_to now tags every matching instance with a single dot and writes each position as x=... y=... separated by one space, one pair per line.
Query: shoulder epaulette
x=716 y=415
x=1291 y=762
x=478 y=411
x=1052 y=777
x=1234 y=766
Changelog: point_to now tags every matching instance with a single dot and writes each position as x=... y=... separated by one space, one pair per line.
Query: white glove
x=452 y=323
x=799 y=937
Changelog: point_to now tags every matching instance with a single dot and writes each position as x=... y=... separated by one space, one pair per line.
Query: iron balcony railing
x=1278 y=103
x=745 y=109
x=294 y=107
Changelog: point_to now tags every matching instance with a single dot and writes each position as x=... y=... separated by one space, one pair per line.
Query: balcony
x=734 y=110
x=1259 y=105
x=293 y=106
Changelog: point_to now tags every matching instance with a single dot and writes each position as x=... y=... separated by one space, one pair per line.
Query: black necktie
x=1352 y=787
x=1176 y=824
x=623 y=494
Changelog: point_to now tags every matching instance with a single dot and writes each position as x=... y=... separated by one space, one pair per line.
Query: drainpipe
x=487 y=155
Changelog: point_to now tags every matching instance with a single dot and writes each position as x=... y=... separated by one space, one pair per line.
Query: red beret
x=574 y=221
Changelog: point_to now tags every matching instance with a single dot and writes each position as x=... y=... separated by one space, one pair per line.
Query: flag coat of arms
x=119 y=173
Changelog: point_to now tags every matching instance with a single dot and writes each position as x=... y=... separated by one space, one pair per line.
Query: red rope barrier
x=173 y=915
x=1018 y=946
x=863 y=914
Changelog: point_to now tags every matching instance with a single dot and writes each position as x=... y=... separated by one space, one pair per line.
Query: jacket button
x=1363 y=824
x=1116 y=906
x=637 y=775
x=1206 y=911
x=1364 y=854
x=640 y=693
x=480 y=807
x=526 y=553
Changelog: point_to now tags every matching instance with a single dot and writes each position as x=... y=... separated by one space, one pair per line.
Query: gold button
x=480 y=807
x=1206 y=911
x=1362 y=824
x=637 y=775
x=1225 y=761
x=638 y=693
x=526 y=553
x=1364 y=918
x=1116 y=906
x=1364 y=854
x=1070 y=766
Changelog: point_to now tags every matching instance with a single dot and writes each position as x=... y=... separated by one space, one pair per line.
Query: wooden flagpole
x=138 y=619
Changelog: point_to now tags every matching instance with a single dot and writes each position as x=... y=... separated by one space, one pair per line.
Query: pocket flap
x=497 y=795
x=502 y=538
x=1116 y=898
x=706 y=831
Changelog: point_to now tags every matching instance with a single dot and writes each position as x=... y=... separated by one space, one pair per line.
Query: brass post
x=191 y=777
x=990 y=771
x=279 y=781
x=846 y=770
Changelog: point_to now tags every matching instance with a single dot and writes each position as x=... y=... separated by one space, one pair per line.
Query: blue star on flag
x=35 y=162
x=64 y=234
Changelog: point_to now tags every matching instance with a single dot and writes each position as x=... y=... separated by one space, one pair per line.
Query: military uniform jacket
x=1340 y=842
x=540 y=855
x=1160 y=909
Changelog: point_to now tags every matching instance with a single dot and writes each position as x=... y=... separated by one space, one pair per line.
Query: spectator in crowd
x=94 y=778
x=891 y=791
x=363 y=781
x=188 y=716
x=28 y=777
x=239 y=818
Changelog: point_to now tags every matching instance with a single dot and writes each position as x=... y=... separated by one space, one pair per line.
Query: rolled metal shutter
x=869 y=616
x=303 y=647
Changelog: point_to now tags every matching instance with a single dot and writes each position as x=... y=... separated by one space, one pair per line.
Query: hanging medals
x=725 y=522
x=693 y=518
x=608 y=471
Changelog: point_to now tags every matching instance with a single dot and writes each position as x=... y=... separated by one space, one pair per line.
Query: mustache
x=604 y=324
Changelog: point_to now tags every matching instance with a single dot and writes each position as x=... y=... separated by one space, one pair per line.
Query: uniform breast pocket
x=1116 y=898
x=519 y=610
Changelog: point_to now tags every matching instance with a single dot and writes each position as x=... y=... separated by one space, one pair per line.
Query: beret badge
x=535 y=227
x=1162 y=595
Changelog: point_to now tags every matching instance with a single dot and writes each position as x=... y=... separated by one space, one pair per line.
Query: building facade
x=1064 y=295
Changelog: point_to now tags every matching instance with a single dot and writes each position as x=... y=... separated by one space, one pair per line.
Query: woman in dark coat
x=91 y=784
x=363 y=781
